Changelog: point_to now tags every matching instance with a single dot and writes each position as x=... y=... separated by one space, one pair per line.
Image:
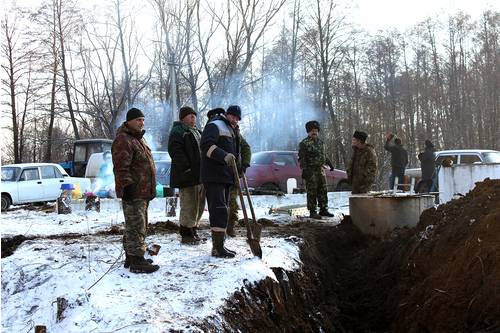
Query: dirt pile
x=449 y=273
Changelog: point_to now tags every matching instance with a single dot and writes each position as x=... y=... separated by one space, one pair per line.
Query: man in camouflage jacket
x=363 y=166
x=135 y=184
x=312 y=159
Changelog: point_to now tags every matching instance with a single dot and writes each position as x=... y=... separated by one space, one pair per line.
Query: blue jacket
x=217 y=140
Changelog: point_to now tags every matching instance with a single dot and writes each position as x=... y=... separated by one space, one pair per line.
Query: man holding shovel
x=219 y=148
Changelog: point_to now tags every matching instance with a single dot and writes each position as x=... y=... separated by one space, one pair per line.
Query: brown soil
x=442 y=276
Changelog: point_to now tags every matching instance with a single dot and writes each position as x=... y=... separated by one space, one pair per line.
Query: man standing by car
x=219 y=147
x=363 y=165
x=312 y=159
x=184 y=149
x=135 y=184
x=428 y=166
x=399 y=158
x=243 y=164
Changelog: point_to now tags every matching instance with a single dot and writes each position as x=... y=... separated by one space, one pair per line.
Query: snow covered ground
x=38 y=223
x=102 y=296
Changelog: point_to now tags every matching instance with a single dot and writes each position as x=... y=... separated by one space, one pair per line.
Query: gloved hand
x=129 y=192
x=244 y=168
x=229 y=159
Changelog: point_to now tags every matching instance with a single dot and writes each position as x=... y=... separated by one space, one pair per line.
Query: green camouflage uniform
x=362 y=169
x=312 y=159
x=246 y=155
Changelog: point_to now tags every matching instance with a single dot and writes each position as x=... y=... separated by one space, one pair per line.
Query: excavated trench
x=442 y=276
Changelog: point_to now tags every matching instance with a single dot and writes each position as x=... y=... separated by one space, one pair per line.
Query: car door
x=30 y=185
x=284 y=167
x=51 y=180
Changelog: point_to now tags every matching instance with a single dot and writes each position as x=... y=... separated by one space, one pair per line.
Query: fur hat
x=361 y=136
x=185 y=110
x=428 y=144
x=310 y=125
x=134 y=113
x=235 y=110
x=214 y=112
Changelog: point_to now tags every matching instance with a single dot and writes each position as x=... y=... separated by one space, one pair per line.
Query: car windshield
x=9 y=174
x=261 y=159
x=491 y=157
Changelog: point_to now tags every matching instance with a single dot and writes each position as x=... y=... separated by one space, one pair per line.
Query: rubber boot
x=187 y=236
x=230 y=228
x=325 y=212
x=218 y=249
x=141 y=265
x=126 y=264
x=314 y=215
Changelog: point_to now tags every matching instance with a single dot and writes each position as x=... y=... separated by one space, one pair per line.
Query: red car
x=269 y=170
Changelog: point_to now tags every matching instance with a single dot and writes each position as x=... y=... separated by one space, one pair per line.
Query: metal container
x=377 y=214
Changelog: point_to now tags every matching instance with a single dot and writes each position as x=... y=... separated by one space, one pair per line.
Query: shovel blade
x=255 y=247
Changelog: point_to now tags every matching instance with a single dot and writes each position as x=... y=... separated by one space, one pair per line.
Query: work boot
x=126 y=264
x=140 y=265
x=187 y=236
x=325 y=212
x=218 y=249
x=230 y=228
x=314 y=215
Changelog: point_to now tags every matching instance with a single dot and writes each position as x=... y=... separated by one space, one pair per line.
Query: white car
x=35 y=182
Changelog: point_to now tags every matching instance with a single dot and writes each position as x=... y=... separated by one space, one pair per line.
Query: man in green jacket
x=312 y=159
x=363 y=166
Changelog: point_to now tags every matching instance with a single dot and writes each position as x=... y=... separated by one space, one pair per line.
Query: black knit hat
x=134 y=113
x=235 y=110
x=185 y=110
x=310 y=125
x=361 y=136
x=212 y=113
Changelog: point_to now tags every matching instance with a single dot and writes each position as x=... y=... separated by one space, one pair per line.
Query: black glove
x=306 y=173
x=244 y=168
x=129 y=192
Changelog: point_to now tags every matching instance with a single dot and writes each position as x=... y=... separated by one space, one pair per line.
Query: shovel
x=254 y=229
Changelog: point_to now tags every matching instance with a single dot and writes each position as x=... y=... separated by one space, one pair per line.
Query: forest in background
x=69 y=74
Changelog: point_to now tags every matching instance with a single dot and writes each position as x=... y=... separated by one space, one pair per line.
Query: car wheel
x=6 y=202
x=343 y=186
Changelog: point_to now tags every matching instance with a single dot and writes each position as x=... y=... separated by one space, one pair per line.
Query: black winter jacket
x=427 y=163
x=217 y=140
x=399 y=155
x=186 y=157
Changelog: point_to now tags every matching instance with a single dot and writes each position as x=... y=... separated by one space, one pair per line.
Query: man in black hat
x=363 y=166
x=312 y=159
x=399 y=158
x=219 y=150
x=184 y=149
x=427 y=164
x=135 y=184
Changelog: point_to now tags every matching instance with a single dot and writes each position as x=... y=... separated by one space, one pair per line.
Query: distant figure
x=135 y=176
x=363 y=166
x=105 y=178
x=399 y=158
x=427 y=164
x=184 y=148
x=312 y=159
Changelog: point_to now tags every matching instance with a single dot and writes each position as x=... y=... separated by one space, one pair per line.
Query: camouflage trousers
x=136 y=225
x=192 y=202
x=316 y=190
x=233 y=205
